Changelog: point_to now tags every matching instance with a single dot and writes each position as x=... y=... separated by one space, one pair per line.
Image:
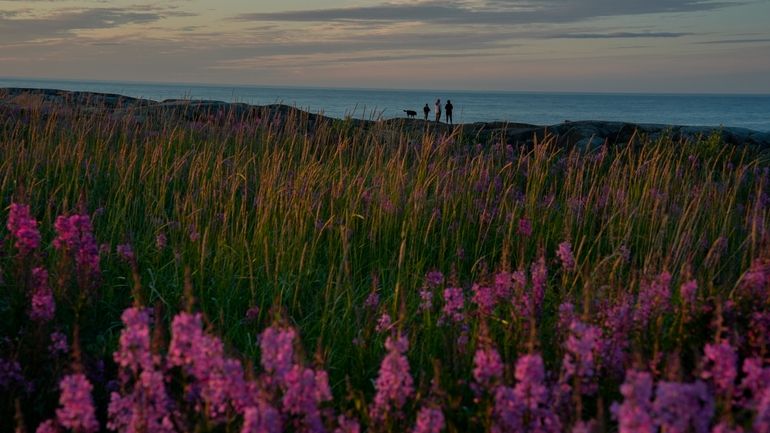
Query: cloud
x=63 y=23
x=734 y=41
x=618 y=35
x=489 y=12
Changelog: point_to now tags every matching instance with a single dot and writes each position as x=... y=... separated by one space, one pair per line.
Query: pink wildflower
x=394 y=383
x=654 y=299
x=305 y=390
x=261 y=418
x=583 y=347
x=125 y=252
x=384 y=323
x=77 y=407
x=372 y=301
x=720 y=366
x=277 y=347
x=59 y=344
x=24 y=228
x=434 y=279
x=487 y=368
x=687 y=293
x=429 y=420
x=678 y=407
x=484 y=297
x=75 y=235
x=134 y=352
x=635 y=414
x=347 y=425
x=454 y=302
x=49 y=426
x=565 y=255
x=43 y=306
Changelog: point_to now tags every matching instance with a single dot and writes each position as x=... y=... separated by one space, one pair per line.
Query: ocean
x=539 y=108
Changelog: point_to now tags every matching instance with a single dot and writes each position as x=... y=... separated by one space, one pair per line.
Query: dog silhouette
x=410 y=113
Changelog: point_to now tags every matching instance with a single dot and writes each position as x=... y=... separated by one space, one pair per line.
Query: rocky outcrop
x=585 y=134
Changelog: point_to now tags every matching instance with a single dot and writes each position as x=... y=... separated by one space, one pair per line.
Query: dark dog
x=410 y=113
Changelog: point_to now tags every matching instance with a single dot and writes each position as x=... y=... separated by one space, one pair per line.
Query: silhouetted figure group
x=448 y=107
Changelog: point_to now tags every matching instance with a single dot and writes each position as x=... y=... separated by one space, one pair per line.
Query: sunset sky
x=559 y=45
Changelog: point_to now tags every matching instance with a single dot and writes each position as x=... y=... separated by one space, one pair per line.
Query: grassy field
x=642 y=263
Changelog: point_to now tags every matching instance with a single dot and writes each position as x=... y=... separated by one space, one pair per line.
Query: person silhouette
x=449 y=107
x=438 y=110
x=426 y=110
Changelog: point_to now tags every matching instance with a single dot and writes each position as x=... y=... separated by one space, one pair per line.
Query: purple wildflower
x=384 y=323
x=43 y=306
x=49 y=426
x=125 y=252
x=75 y=235
x=762 y=419
x=719 y=366
x=434 y=279
x=59 y=344
x=394 y=383
x=565 y=255
x=261 y=418
x=10 y=374
x=526 y=406
x=144 y=409
x=487 y=368
x=454 y=302
x=426 y=300
x=77 y=407
x=252 y=314
x=654 y=297
x=539 y=278
x=680 y=406
x=484 y=297
x=305 y=389
x=277 y=347
x=347 y=425
x=134 y=350
x=372 y=301
x=503 y=285
x=755 y=281
x=687 y=292
x=755 y=381
x=582 y=350
x=429 y=420
x=724 y=427
x=635 y=414
x=24 y=228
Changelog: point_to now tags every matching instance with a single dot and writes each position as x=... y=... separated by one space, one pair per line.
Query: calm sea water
x=541 y=108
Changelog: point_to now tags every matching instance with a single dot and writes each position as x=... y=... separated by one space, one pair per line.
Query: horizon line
x=386 y=89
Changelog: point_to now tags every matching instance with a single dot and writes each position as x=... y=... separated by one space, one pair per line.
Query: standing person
x=438 y=110
x=426 y=110
x=449 y=107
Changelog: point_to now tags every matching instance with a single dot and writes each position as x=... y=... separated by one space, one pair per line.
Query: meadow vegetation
x=271 y=273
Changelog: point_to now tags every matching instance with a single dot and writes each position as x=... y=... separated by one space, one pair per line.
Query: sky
x=713 y=46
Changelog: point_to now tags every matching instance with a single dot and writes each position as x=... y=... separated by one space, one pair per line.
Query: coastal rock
x=589 y=134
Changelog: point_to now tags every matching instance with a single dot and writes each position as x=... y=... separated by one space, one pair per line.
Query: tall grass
x=301 y=216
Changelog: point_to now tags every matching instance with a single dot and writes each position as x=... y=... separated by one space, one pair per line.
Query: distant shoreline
x=590 y=133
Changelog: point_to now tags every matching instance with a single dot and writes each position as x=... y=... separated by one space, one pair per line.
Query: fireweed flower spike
x=23 y=228
x=565 y=255
x=42 y=306
x=77 y=407
x=394 y=383
x=429 y=420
